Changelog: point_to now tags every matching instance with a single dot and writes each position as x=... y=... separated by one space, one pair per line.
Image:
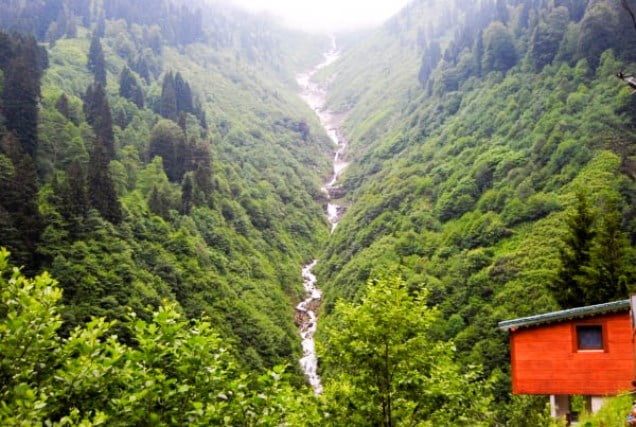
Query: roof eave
x=563 y=315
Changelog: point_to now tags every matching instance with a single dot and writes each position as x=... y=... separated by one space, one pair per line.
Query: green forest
x=162 y=187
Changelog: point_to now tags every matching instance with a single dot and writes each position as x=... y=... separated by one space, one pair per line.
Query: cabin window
x=589 y=337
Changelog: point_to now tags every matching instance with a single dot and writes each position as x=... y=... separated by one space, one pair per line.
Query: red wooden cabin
x=585 y=351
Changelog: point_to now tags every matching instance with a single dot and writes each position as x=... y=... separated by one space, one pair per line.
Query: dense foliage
x=467 y=179
x=182 y=372
x=177 y=372
x=214 y=209
x=386 y=368
x=156 y=160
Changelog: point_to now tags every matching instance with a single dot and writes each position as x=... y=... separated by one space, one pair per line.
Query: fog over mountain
x=327 y=15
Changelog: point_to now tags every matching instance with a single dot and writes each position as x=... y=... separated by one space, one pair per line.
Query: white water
x=308 y=326
x=316 y=97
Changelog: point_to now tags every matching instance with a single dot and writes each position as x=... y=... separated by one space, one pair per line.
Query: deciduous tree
x=384 y=368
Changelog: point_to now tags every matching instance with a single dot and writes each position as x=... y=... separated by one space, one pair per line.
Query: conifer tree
x=203 y=185
x=168 y=141
x=61 y=105
x=21 y=93
x=575 y=256
x=76 y=199
x=168 y=107
x=183 y=94
x=22 y=223
x=597 y=34
x=129 y=88
x=597 y=260
x=202 y=176
x=611 y=270
x=96 y=63
x=140 y=66
x=187 y=190
x=98 y=115
x=203 y=121
x=499 y=49
x=430 y=58
x=100 y=185
x=183 y=122
x=158 y=202
x=546 y=38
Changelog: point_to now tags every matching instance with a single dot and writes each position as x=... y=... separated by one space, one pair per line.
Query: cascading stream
x=316 y=97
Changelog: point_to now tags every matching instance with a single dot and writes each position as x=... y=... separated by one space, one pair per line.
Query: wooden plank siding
x=545 y=358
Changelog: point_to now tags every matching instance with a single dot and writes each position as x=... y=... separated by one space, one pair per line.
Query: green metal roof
x=572 y=313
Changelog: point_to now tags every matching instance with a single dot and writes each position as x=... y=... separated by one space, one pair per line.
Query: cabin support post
x=596 y=403
x=553 y=408
x=559 y=405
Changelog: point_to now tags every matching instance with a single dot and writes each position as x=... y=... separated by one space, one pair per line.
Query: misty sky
x=327 y=15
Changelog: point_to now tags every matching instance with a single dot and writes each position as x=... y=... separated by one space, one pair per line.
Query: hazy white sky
x=327 y=15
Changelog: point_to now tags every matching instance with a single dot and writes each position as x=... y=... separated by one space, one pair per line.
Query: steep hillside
x=217 y=204
x=476 y=142
x=157 y=161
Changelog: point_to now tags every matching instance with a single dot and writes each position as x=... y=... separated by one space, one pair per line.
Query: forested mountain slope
x=168 y=159
x=483 y=137
x=157 y=161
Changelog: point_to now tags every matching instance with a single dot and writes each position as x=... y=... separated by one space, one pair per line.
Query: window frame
x=575 y=337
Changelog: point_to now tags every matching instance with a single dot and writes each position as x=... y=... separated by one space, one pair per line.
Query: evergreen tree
x=140 y=66
x=129 y=88
x=575 y=256
x=187 y=197
x=101 y=189
x=98 y=115
x=183 y=94
x=21 y=93
x=546 y=38
x=183 y=122
x=96 y=63
x=576 y=8
x=159 y=202
x=75 y=198
x=430 y=59
x=20 y=219
x=183 y=158
x=199 y=112
x=168 y=142
x=168 y=107
x=611 y=270
x=597 y=34
x=202 y=185
x=499 y=49
x=62 y=106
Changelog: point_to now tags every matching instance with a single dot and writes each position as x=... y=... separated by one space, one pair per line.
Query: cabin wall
x=545 y=359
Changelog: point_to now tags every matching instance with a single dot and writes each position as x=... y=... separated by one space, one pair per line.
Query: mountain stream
x=315 y=96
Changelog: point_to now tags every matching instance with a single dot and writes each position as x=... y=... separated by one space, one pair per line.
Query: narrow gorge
x=315 y=95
